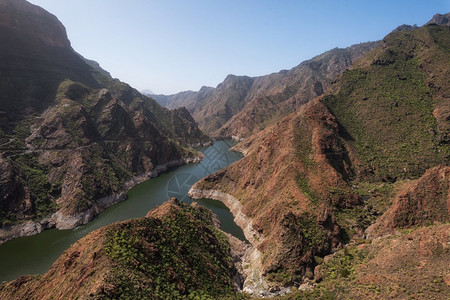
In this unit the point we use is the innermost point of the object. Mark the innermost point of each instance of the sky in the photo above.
(169, 46)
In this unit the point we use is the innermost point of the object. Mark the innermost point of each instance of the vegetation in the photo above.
(42, 193)
(376, 199)
(182, 256)
(337, 272)
(7, 218)
(305, 239)
(386, 106)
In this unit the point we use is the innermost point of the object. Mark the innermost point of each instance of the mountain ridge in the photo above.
(242, 105)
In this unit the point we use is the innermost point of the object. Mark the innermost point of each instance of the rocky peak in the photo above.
(439, 19)
(205, 89)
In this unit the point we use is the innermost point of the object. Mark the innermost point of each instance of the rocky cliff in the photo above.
(319, 177)
(175, 252)
(243, 105)
(70, 135)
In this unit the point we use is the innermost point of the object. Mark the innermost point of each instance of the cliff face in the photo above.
(70, 134)
(175, 251)
(243, 105)
(319, 177)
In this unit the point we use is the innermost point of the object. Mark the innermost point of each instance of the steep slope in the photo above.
(322, 175)
(288, 194)
(243, 105)
(72, 139)
(394, 105)
(174, 252)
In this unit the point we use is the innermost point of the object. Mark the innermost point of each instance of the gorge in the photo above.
(342, 189)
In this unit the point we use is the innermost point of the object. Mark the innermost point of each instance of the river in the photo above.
(35, 254)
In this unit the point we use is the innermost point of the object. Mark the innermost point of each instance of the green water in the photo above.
(35, 254)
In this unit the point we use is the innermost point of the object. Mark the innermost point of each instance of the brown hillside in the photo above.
(289, 189)
(407, 265)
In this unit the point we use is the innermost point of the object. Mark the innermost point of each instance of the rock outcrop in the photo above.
(423, 202)
(31, 22)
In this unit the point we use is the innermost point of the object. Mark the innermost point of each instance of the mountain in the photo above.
(439, 19)
(243, 105)
(175, 252)
(376, 143)
(72, 139)
(346, 196)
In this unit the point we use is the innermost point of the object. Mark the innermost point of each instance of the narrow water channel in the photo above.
(35, 254)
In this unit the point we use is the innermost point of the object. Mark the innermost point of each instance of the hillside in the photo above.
(174, 252)
(406, 254)
(318, 178)
(72, 139)
(243, 105)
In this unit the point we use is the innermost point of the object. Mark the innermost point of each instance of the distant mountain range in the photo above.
(147, 92)
(243, 105)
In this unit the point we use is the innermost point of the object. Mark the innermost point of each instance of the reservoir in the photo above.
(36, 254)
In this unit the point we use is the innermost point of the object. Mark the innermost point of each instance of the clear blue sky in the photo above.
(174, 45)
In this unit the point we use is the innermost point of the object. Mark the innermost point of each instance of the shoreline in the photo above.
(63, 222)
